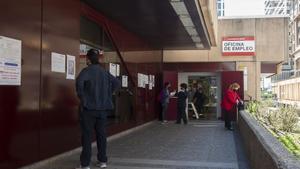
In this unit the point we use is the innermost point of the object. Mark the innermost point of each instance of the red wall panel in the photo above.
(59, 122)
(39, 118)
(171, 77)
(19, 105)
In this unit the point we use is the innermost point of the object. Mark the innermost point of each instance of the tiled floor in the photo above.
(198, 145)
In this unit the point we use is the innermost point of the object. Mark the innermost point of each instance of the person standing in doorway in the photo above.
(181, 104)
(229, 102)
(199, 99)
(164, 100)
(94, 87)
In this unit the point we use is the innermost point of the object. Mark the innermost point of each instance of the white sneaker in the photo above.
(101, 164)
(83, 167)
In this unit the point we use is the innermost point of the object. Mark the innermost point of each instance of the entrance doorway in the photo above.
(210, 84)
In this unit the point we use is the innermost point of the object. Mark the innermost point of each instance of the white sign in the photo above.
(58, 62)
(124, 81)
(113, 69)
(140, 80)
(10, 61)
(238, 46)
(146, 79)
(71, 67)
(84, 49)
(118, 70)
(151, 81)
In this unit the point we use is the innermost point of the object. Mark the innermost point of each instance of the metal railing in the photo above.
(283, 76)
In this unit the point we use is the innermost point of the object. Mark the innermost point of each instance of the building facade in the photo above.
(221, 8)
(270, 38)
(277, 7)
(286, 84)
(39, 114)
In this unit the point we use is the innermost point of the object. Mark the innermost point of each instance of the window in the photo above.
(219, 6)
(298, 32)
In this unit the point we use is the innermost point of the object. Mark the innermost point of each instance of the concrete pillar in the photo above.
(252, 71)
(258, 74)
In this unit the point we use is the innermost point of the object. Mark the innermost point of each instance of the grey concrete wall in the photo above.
(263, 150)
(270, 42)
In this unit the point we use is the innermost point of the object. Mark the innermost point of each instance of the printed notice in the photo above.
(118, 70)
(10, 61)
(151, 81)
(141, 80)
(124, 81)
(113, 69)
(58, 62)
(71, 67)
(146, 79)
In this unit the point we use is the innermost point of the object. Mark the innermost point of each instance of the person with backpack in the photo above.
(182, 103)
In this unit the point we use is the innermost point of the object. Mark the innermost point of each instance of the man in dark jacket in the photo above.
(199, 99)
(181, 104)
(94, 88)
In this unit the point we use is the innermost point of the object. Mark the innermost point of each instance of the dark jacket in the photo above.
(181, 101)
(94, 88)
(199, 97)
(165, 96)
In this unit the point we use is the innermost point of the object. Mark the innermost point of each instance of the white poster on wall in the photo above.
(58, 62)
(124, 81)
(151, 81)
(146, 79)
(71, 67)
(113, 69)
(118, 70)
(10, 61)
(141, 80)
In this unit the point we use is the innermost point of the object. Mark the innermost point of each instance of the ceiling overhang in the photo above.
(164, 24)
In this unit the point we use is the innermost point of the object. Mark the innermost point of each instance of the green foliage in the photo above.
(290, 144)
(266, 94)
(281, 122)
(289, 118)
(284, 118)
(252, 107)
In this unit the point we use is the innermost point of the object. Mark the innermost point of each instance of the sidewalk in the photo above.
(198, 145)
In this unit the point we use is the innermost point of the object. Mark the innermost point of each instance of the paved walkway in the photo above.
(198, 145)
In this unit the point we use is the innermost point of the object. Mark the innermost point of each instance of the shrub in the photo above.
(289, 118)
(289, 143)
(252, 107)
(285, 118)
